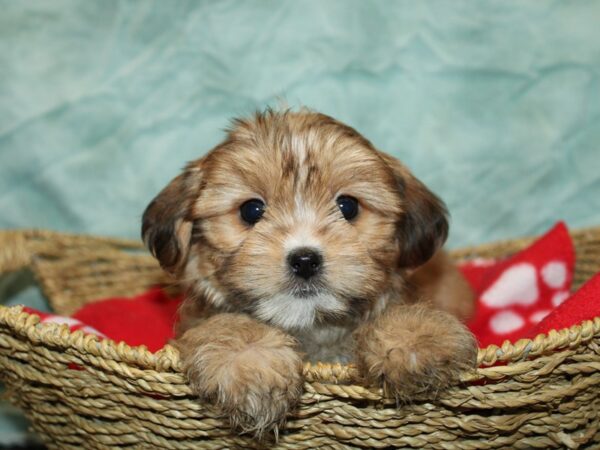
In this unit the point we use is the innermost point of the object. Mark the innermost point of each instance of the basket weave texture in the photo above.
(541, 393)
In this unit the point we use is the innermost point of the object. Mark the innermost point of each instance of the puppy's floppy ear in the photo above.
(167, 223)
(423, 224)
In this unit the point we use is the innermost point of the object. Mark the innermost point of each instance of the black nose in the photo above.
(305, 262)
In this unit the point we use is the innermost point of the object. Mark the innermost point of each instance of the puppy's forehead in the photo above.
(279, 154)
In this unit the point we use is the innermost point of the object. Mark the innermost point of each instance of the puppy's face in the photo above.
(295, 219)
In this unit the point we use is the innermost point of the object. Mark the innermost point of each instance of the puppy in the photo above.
(297, 240)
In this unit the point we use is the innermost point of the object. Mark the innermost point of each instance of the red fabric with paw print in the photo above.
(515, 295)
(518, 297)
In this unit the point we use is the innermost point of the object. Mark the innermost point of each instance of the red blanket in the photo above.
(518, 297)
(515, 296)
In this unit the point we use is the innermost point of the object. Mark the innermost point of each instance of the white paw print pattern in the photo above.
(518, 285)
(482, 262)
(73, 324)
(505, 322)
(537, 316)
(559, 297)
(554, 274)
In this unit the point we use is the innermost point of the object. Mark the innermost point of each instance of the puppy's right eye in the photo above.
(252, 210)
(348, 206)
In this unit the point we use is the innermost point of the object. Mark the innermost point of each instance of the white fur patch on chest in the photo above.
(290, 312)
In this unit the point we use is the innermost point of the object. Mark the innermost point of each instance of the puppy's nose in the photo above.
(305, 262)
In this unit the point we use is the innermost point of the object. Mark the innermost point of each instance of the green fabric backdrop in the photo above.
(496, 105)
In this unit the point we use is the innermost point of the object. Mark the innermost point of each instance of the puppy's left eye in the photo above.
(348, 206)
(252, 210)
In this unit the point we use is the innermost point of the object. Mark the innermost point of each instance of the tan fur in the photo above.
(414, 350)
(249, 370)
(245, 310)
(440, 282)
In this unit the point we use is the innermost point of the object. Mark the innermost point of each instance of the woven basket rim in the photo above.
(29, 325)
(128, 243)
(167, 359)
(135, 243)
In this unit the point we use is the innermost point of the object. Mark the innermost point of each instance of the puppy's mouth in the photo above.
(299, 305)
(306, 289)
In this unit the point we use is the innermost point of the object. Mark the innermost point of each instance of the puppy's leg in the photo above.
(248, 369)
(414, 350)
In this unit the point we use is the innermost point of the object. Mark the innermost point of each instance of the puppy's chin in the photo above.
(299, 309)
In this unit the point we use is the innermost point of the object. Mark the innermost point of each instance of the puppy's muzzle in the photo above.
(305, 262)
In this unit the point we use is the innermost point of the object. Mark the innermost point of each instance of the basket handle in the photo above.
(14, 251)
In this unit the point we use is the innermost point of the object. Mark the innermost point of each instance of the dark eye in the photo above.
(252, 210)
(348, 206)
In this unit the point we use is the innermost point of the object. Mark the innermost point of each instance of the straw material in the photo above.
(80, 392)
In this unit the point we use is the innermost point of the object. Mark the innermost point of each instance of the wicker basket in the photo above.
(545, 393)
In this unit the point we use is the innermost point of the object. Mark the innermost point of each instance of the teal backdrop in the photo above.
(494, 104)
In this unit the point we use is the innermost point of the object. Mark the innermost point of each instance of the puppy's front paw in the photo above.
(250, 371)
(415, 351)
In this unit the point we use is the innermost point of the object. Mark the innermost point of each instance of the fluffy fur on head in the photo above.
(299, 165)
